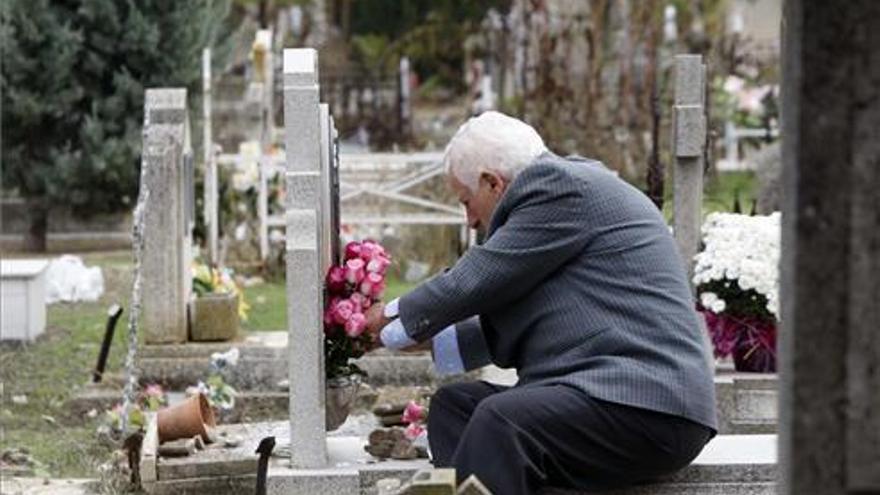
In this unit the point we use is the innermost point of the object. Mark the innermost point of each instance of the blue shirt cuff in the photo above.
(394, 336)
(447, 358)
(390, 310)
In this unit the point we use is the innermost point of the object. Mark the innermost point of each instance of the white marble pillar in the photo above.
(304, 247)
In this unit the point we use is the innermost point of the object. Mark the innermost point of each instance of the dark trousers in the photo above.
(521, 439)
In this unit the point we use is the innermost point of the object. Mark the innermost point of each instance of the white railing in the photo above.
(388, 176)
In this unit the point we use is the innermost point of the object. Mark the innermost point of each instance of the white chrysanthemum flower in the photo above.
(742, 248)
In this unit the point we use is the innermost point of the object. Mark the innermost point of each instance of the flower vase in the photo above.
(755, 348)
(214, 317)
(341, 394)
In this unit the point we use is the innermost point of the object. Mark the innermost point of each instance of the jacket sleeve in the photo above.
(539, 225)
(472, 345)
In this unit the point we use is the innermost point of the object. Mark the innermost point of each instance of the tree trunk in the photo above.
(38, 225)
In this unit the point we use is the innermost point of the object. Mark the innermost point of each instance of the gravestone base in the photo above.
(746, 402)
(261, 366)
(730, 465)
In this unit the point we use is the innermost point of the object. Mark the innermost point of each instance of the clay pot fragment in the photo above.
(187, 419)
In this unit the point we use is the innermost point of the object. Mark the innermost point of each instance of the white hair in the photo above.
(491, 142)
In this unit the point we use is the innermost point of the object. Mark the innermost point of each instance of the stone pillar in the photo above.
(404, 112)
(210, 197)
(265, 67)
(166, 257)
(830, 278)
(689, 144)
(305, 303)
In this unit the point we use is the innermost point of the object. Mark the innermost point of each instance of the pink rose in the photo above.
(413, 431)
(361, 301)
(336, 279)
(368, 250)
(355, 325)
(354, 271)
(373, 285)
(352, 250)
(413, 413)
(377, 248)
(378, 265)
(343, 311)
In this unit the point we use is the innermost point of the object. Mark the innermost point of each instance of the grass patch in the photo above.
(269, 310)
(720, 192)
(51, 370)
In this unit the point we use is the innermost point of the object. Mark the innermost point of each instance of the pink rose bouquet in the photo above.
(352, 288)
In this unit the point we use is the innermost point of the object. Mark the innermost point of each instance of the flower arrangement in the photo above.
(414, 416)
(211, 280)
(737, 281)
(351, 289)
(219, 393)
(151, 399)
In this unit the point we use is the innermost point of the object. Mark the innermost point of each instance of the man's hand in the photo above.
(376, 321)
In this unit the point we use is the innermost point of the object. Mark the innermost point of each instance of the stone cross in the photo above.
(829, 430)
(689, 144)
(305, 244)
(167, 252)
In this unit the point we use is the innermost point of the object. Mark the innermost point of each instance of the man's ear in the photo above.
(496, 182)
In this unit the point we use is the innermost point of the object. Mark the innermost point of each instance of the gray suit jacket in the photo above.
(579, 282)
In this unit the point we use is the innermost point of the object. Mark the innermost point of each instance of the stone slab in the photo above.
(252, 345)
(37, 486)
(744, 464)
(224, 485)
(217, 460)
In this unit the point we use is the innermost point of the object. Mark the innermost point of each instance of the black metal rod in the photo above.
(265, 451)
(113, 315)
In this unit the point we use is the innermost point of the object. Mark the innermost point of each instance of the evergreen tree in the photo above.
(72, 81)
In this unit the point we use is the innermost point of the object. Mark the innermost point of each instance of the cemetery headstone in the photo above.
(167, 218)
(689, 141)
(304, 217)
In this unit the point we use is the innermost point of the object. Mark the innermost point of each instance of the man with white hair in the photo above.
(578, 286)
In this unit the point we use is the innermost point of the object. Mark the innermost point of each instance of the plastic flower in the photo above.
(153, 397)
(361, 301)
(352, 250)
(414, 413)
(355, 325)
(378, 265)
(342, 311)
(354, 271)
(154, 390)
(336, 279)
(373, 285)
(220, 360)
(413, 431)
(352, 287)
